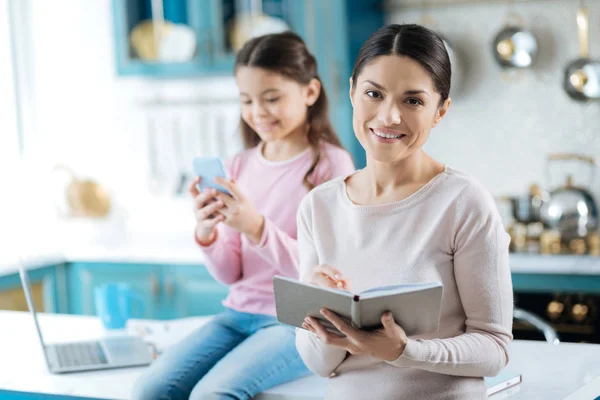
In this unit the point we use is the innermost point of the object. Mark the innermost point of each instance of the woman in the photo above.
(406, 218)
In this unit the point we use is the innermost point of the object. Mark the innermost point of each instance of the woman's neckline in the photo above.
(411, 199)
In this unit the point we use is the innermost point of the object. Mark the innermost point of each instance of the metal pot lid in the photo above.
(515, 47)
(586, 79)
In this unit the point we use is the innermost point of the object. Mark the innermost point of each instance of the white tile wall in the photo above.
(499, 127)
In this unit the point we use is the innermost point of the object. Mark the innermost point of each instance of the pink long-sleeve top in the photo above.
(276, 190)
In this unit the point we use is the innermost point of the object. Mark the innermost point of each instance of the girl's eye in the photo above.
(245, 102)
(414, 102)
(373, 94)
(273, 100)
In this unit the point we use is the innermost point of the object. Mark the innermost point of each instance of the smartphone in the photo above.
(208, 168)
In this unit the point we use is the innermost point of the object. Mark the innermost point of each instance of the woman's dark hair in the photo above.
(286, 53)
(415, 41)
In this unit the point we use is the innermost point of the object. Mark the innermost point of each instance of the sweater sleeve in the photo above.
(278, 248)
(320, 358)
(483, 280)
(224, 259)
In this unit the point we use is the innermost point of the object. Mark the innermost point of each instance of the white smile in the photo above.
(387, 135)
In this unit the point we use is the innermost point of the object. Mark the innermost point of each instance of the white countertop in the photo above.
(549, 372)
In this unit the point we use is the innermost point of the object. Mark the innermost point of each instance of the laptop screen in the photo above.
(29, 298)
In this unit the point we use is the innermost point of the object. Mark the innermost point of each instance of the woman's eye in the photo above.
(414, 102)
(373, 94)
(272, 100)
(246, 102)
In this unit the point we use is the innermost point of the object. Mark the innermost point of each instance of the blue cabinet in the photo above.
(189, 290)
(334, 33)
(166, 291)
(83, 278)
(47, 286)
(127, 14)
(210, 21)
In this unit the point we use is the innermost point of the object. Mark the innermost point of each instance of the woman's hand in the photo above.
(386, 343)
(238, 211)
(325, 275)
(206, 207)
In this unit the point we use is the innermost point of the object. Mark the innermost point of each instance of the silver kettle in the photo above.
(571, 210)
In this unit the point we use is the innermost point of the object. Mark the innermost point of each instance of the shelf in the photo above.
(396, 5)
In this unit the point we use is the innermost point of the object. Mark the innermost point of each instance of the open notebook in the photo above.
(415, 307)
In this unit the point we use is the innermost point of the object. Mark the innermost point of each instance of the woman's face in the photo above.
(273, 105)
(395, 106)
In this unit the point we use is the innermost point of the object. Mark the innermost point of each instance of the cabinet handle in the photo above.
(154, 285)
(169, 287)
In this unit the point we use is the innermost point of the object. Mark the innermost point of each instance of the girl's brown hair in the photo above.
(287, 54)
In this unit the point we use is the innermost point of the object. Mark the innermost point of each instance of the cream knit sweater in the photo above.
(447, 231)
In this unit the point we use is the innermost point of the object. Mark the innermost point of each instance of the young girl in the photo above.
(250, 236)
(406, 218)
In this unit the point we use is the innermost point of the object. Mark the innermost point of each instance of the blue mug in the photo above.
(116, 303)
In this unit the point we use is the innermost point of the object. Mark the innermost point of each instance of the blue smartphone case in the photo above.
(208, 168)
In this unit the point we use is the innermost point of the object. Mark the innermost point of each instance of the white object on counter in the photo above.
(549, 372)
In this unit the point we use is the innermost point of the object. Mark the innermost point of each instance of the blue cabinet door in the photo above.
(127, 14)
(189, 290)
(335, 31)
(210, 20)
(83, 278)
(223, 16)
(46, 285)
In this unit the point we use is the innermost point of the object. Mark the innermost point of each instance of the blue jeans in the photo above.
(234, 356)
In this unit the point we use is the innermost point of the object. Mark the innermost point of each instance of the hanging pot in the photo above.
(515, 46)
(571, 210)
(582, 75)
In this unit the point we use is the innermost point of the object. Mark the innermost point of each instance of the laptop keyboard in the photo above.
(80, 354)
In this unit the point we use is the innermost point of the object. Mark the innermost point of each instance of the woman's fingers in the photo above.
(324, 272)
(320, 279)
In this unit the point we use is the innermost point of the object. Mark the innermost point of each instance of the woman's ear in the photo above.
(442, 111)
(313, 90)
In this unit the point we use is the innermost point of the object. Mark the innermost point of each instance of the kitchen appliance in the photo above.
(571, 210)
(572, 315)
(582, 75)
(514, 46)
(527, 208)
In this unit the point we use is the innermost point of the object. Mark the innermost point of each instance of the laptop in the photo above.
(105, 353)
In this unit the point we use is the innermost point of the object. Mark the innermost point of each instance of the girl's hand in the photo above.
(386, 343)
(206, 207)
(325, 275)
(238, 211)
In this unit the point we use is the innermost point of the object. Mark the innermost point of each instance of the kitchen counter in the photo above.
(549, 372)
(181, 249)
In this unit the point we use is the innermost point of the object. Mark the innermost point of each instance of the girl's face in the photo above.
(272, 105)
(395, 106)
